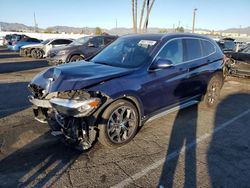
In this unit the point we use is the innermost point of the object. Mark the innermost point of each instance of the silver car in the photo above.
(40, 50)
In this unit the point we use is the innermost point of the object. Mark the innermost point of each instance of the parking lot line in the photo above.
(174, 154)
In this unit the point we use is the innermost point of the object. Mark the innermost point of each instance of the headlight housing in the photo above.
(75, 108)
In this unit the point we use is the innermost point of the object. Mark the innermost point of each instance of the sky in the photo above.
(211, 14)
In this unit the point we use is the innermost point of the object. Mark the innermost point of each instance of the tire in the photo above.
(39, 54)
(212, 94)
(75, 58)
(33, 53)
(119, 124)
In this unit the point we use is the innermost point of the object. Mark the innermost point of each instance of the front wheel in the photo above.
(76, 58)
(39, 54)
(33, 53)
(119, 124)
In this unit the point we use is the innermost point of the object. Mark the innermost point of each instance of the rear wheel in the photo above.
(76, 58)
(119, 124)
(212, 95)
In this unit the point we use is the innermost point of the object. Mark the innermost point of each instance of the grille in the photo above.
(37, 91)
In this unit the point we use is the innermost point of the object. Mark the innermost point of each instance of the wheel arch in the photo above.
(129, 98)
(75, 53)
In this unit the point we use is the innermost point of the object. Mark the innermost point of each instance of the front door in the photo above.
(164, 87)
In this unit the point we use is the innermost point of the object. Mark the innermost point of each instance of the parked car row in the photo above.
(135, 79)
(79, 49)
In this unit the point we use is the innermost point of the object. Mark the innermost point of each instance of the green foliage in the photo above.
(48, 30)
(179, 29)
(98, 31)
(163, 30)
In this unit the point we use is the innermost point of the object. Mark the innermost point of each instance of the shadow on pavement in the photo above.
(21, 66)
(9, 55)
(37, 164)
(183, 134)
(13, 98)
(228, 156)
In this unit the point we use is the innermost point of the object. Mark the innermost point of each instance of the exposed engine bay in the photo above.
(70, 114)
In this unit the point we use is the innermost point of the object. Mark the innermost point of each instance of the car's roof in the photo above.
(59, 39)
(160, 36)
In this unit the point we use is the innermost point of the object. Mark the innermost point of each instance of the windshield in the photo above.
(46, 41)
(246, 50)
(128, 53)
(80, 41)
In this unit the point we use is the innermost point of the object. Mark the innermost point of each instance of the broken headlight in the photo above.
(76, 108)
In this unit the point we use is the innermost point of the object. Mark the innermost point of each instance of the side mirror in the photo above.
(161, 64)
(91, 45)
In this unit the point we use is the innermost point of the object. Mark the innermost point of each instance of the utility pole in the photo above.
(194, 14)
(35, 22)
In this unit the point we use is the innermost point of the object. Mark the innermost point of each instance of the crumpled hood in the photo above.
(78, 75)
(32, 45)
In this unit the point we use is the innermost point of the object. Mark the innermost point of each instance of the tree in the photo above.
(147, 4)
(48, 30)
(179, 29)
(163, 30)
(98, 31)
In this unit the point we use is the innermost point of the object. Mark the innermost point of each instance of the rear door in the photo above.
(197, 52)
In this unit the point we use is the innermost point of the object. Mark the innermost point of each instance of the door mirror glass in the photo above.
(161, 64)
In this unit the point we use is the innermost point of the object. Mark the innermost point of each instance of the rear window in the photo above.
(207, 47)
(193, 49)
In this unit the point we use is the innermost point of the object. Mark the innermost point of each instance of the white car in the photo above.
(40, 50)
(1, 40)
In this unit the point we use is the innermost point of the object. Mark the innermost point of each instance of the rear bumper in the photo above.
(13, 48)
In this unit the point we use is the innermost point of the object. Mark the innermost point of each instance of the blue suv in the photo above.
(135, 79)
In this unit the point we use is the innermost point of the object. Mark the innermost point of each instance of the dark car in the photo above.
(135, 79)
(79, 49)
(239, 64)
(227, 45)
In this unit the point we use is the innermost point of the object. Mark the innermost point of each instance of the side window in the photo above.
(35, 40)
(97, 41)
(66, 41)
(193, 49)
(207, 47)
(32, 40)
(55, 42)
(61, 41)
(172, 51)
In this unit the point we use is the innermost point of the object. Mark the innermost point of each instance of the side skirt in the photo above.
(169, 110)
